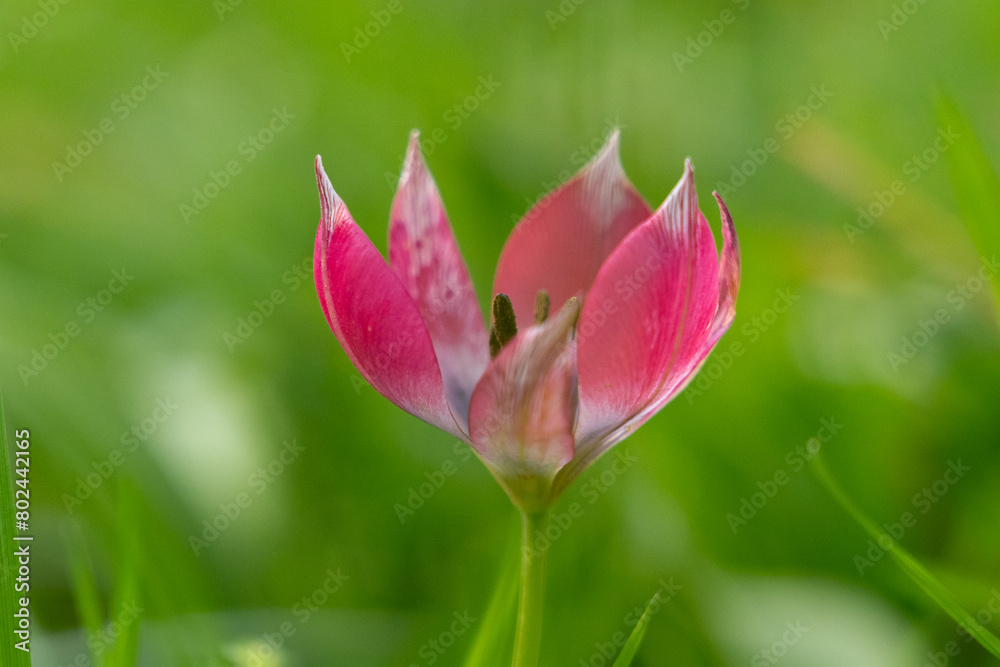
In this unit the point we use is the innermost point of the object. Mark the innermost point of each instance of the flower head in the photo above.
(604, 311)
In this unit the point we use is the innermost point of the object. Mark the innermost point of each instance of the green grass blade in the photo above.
(631, 647)
(9, 654)
(127, 599)
(494, 639)
(85, 594)
(977, 188)
(913, 569)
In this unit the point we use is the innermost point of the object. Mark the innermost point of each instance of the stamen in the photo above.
(504, 325)
(541, 306)
(573, 303)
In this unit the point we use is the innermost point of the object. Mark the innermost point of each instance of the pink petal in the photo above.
(644, 326)
(729, 276)
(560, 244)
(523, 409)
(375, 320)
(424, 255)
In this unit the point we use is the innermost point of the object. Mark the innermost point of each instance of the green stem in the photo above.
(529, 613)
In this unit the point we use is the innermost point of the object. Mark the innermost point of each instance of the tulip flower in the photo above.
(604, 310)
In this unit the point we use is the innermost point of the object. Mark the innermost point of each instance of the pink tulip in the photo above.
(638, 300)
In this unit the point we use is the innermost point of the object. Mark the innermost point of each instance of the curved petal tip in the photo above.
(612, 145)
(730, 267)
(687, 178)
(560, 244)
(679, 211)
(333, 212)
(605, 168)
(414, 158)
(728, 229)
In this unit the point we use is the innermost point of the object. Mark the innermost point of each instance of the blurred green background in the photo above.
(173, 143)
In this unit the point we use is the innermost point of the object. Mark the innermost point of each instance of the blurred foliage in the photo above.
(160, 325)
(977, 187)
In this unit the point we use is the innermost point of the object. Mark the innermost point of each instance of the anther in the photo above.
(541, 306)
(504, 325)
